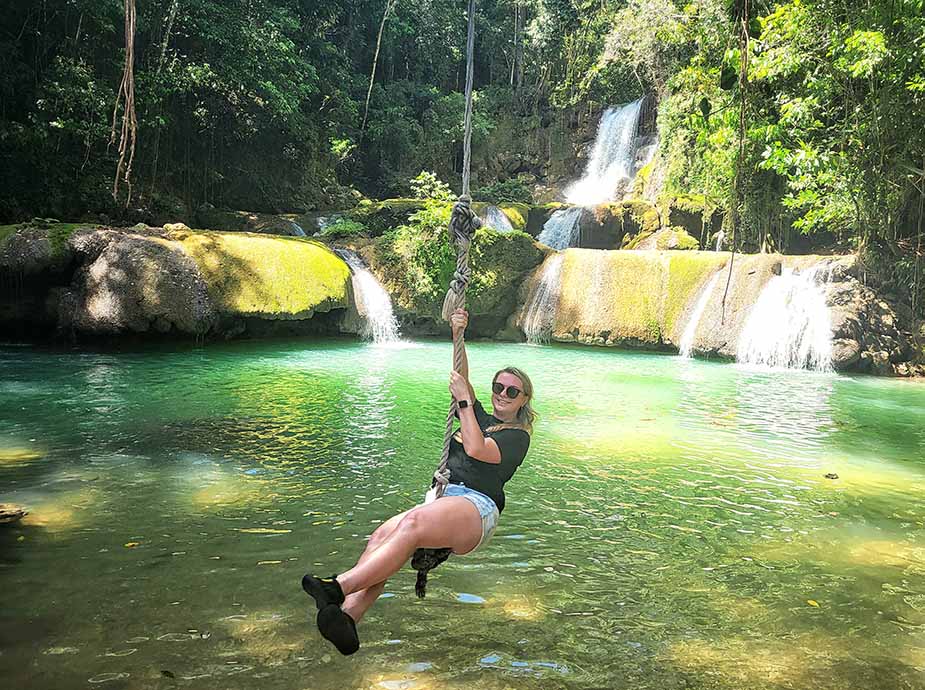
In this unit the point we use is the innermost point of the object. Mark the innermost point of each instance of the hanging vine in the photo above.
(126, 98)
(742, 8)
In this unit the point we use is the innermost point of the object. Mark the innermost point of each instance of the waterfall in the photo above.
(373, 302)
(561, 230)
(497, 219)
(539, 314)
(790, 325)
(324, 222)
(686, 346)
(612, 165)
(617, 155)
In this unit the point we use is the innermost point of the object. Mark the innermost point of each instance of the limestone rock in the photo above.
(31, 251)
(137, 284)
(880, 364)
(845, 353)
(666, 238)
(10, 512)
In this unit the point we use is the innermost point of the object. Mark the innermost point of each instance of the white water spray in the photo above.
(373, 302)
(497, 219)
(562, 229)
(686, 346)
(539, 315)
(612, 165)
(790, 325)
(618, 154)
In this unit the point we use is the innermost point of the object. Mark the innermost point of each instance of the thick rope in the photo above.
(467, 124)
(463, 224)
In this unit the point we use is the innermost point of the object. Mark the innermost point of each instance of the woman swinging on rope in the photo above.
(484, 454)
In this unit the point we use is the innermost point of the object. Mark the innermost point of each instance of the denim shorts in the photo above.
(486, 507)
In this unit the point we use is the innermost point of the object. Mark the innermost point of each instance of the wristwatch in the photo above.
(462, 404)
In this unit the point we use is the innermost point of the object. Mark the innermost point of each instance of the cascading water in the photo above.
(618, 154)
(373, 302)
(561, 230)
(686, 346)
(612, 165)
(539, 314)
(497, 219)
(790, 325)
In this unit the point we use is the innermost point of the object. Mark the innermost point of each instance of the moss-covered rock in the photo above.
(611, 298)
(695, 213)
(267, 277)
(381, 216)
(103, 281)
(37, 248)
(637, 299)
(415, 263)
(518, 214)
(135, 284)
(641, 181)
(644, 215)
(688, 273)
(666, 238)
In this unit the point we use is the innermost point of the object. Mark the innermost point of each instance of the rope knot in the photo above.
(463, 224)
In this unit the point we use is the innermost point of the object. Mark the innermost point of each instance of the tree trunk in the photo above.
(389, 6)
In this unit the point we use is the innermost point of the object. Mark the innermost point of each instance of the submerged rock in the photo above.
(10, 513)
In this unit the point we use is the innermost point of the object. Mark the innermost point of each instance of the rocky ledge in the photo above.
(99, 281)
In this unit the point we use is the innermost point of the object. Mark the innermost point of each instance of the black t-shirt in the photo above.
(485, 477)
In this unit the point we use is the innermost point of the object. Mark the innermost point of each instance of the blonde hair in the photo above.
(526, 415)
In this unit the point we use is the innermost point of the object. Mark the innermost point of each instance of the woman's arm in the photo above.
(474, 442)
(458, 321)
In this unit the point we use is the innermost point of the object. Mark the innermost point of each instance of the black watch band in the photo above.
(462, 404)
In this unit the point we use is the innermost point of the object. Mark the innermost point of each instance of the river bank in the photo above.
(80, 283)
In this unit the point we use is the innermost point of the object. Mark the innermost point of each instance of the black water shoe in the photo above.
(338, 628)
(324, 590)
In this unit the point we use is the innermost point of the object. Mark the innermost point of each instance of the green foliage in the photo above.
(512, 190)
(419, 261)
(424, 245)
(428, 186)
(344, 227)
(6, 231)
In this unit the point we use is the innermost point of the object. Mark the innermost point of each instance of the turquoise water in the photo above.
(672, 526)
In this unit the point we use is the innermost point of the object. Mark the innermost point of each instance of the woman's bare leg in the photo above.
(451, 521)
(357, 603)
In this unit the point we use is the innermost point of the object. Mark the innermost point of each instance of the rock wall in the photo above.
(107, 282)
(174, 282)
(416, 271)
(647, 298)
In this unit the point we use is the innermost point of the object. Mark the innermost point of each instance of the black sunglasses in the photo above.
(512, 391)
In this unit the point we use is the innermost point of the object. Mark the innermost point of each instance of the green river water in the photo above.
(672, 526)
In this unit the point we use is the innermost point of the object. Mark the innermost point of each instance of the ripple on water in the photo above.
(108, 677)
(691, 517)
